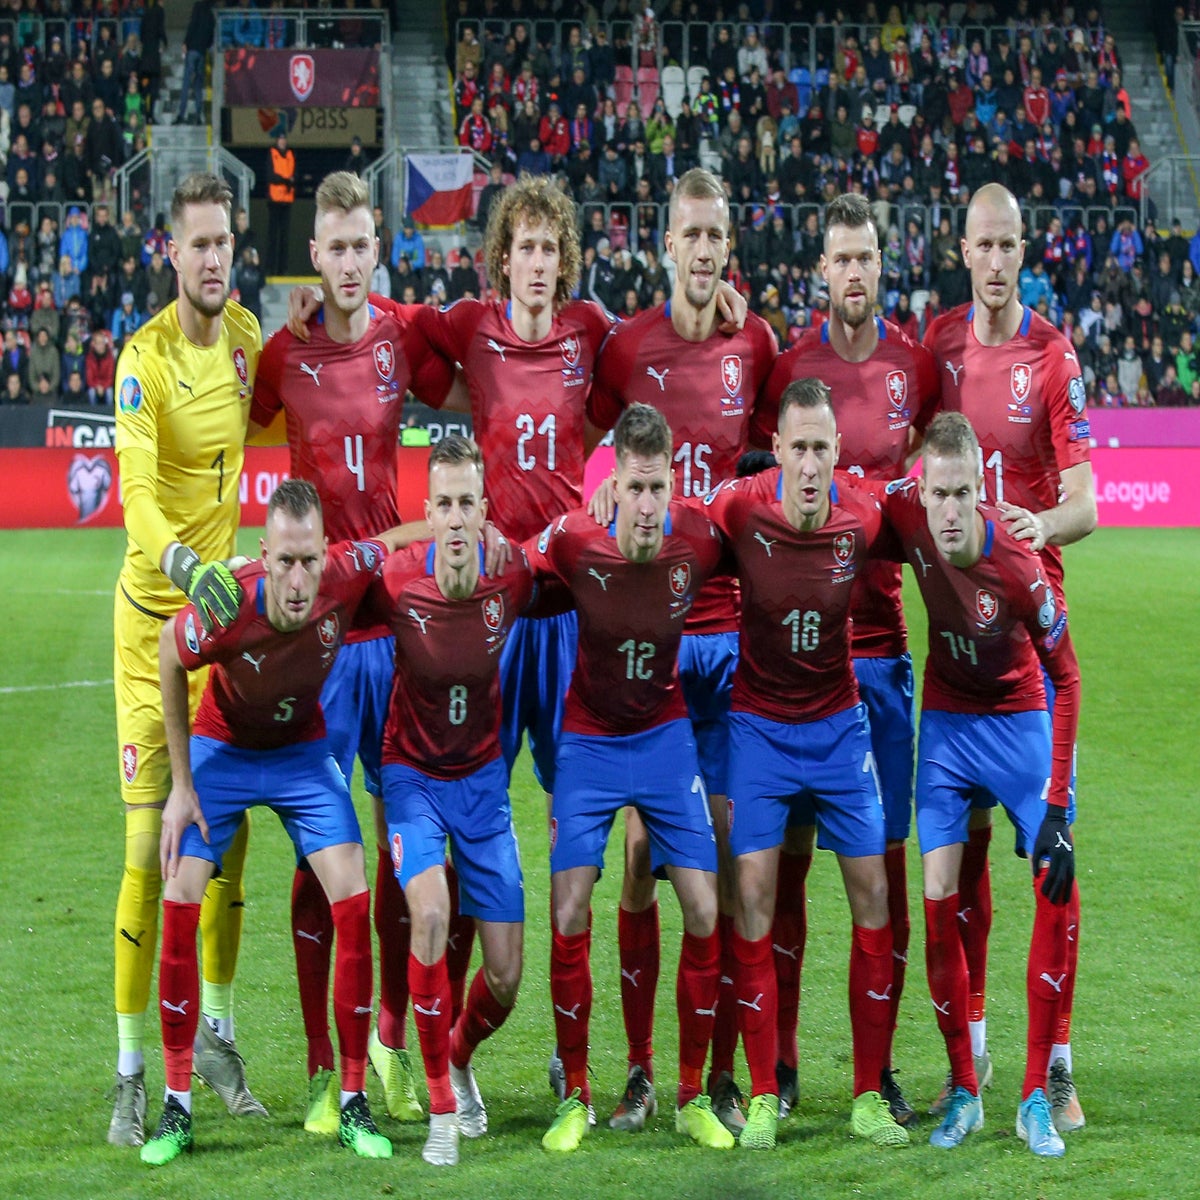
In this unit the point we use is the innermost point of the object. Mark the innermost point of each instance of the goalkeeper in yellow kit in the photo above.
(184, 385)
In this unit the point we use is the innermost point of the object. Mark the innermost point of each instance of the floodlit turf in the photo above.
(1135, 599)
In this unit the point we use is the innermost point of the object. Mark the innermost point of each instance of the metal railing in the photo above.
(157, 174)
(1170, 184)
(285, 28)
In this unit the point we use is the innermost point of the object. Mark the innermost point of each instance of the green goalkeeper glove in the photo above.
(212, 589)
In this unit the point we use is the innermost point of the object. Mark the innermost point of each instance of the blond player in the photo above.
(183, 394)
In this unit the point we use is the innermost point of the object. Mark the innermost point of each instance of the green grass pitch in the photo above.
(1135, 598)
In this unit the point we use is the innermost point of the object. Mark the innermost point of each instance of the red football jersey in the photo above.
(444, 713)
(1026, 402)
(794, 644)
(989, 624)
(527, 403)
(344, 402)
(265, 687)
(708, 391)
(631, 617)
(876, 403)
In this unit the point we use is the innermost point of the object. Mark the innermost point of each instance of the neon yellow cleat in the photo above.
(871, 1118)
(395, 1072)
(761, 1123)
(322, 1115)
(697, 1119)
(570, 1123)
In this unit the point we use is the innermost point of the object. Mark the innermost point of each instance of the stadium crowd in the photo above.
(915, 110)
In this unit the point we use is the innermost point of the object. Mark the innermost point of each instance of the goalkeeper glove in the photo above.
(212, 589)
(1054, 846)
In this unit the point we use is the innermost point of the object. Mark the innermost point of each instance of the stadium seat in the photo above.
(907, 112)
(710, 160)
(674, 89)
(647, 90)
(623, 86)
(695, 78)
(821, 78)
(918, 300)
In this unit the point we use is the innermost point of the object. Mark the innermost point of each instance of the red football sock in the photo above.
(571, 994)
(725, 1026)
(789, 932)
(430, 993)
(755, 997)
(696, 1003)
(638, 939)
(1062, 1029)
(179, 991)
(1044, 981)
(312, 940)
(392, 930)
(975, 923)
(481, 1017)
(946, 967)
(459, 943)
(352, 986)
(870, 1007)
(895, 865)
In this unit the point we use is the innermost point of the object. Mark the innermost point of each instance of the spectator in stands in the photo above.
(466, 89)
(1133, 166)
(1129, 368)
(105, 150)
(409, 243)
(44, 360)
(1155, 364)
(99, 368)
(160, 279)
(15, 390)
(1126, 244)
(14, 360)
(469, 52)
(602, 64)
(781, 89)
(1170, 393)
(281, 196)
(74, 241)
(464, 280)
(1186, 365)
(104, 243)
(554, 134)
(356, 160)
(197, 42)
(126, 321)
(488, 196)
(475, 132)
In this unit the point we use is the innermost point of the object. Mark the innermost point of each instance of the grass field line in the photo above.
(54, 687)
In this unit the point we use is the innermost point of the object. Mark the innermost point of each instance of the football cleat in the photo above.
(963, 1115)
(558, 1076)
(441, 1146)
(569, 1126)
(697, 1119)
(322, 1115)
(983, 1076)
(1064, 1103)
(1035, 1126)
(217, 1063)
(472, 1116)
(758, 1133)
(727, 1103)
(172, 1137)
(870, 1118)
(128, 1124)
(394, 1068)
(637, 1106)
(900, 1108)
(357, 1130)
(789, 1088)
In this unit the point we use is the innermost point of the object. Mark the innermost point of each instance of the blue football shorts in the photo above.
(886, 687)
(355, 703)
(706, 665)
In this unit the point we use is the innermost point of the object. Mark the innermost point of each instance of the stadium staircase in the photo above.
(421, 89)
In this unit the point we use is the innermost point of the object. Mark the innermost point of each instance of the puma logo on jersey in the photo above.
(660, 377)
(792, 953)
(767, 543)
(420, 620)
(313, 371)
(955, 371)
(602, 580)
(499, 349)
(256, 663)
(187, 387)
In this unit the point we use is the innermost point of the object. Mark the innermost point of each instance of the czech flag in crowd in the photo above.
(437, 187)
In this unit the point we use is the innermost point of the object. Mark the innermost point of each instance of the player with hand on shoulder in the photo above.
(1017, 380)
(626, 741)
(184, 382)
(342, 394)
(680, 359)
(986, 735)
(259, 738)
(883, 386)
(445, 781)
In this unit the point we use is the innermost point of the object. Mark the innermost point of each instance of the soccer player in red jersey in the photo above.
(676, 358)
(883, 385)
(1018, 382)
(259, 738)
(800, 744)
(444, 778)
(626, 740)
(985, 733)
(342, 393)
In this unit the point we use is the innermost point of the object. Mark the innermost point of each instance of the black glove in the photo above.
(212, 589)
(1054, 846)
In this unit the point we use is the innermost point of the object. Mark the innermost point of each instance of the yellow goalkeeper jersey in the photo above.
(181, 427)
